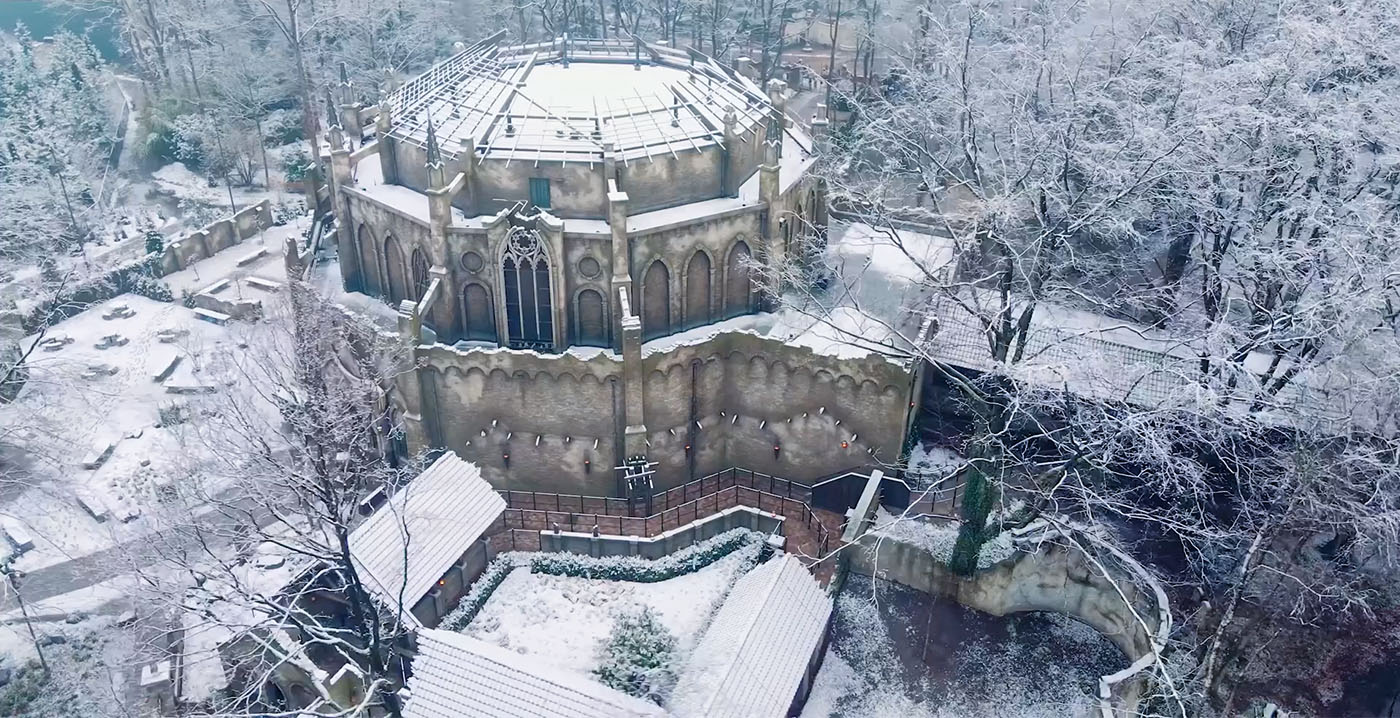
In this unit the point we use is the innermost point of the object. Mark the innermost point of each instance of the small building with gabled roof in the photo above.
(422, 548)
(455, 675)
(762, 650)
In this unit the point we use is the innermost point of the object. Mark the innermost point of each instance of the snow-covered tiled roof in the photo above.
(752, 658)
(455, 675)
(422, 530)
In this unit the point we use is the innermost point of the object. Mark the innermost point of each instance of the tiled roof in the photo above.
(455, 676)
(422, 530)
(755, 653)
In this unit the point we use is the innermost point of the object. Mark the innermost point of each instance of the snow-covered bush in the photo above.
(637, 659)
(640, 570)
(480, 592)
(295, 164)
(155, 242)
(285, 212)
(282, 127)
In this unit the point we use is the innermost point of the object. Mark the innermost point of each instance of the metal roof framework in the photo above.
(480, 96)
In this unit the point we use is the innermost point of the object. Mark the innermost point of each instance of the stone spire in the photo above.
(437, 176)
(434, 151)
(346, 96)
(332, 113)
(334, 132)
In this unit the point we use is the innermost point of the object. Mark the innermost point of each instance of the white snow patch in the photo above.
(562, 621)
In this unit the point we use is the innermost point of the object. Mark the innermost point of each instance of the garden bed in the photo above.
(562, 620)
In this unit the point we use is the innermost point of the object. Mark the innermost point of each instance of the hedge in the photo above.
(613, 568)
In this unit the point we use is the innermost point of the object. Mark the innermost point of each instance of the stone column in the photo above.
(635, 435)
(466, 168)
(769, 190)
(409, 384)
(350, 120)
(383, 124)
(344, 229)
(445, 308)
(439, 219)
(551, 231)
(621, 262)
(497, 231)
(729, 171)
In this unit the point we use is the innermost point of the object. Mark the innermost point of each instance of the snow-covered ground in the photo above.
(563, 621)
(80, 399)
(178, 180)
(896, 654)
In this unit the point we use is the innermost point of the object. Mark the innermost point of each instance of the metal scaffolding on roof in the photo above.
(484, 97)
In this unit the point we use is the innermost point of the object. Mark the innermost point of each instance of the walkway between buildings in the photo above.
(811, 533)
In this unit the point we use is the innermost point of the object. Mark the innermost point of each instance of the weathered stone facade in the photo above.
(531, 277)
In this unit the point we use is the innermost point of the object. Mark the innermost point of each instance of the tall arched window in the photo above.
(656, 301)
(420, 274)
(478, 319)
(369, 262)
(397, 269)
(697, 291)
(592, 323)
(738, 284)
(529, 317)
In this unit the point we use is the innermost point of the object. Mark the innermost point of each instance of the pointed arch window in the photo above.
(529, 306)
(420, 274)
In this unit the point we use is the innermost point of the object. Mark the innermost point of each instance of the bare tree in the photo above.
(297, 492)
(1169, 313)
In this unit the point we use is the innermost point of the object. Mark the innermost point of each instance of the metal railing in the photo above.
(531, 511)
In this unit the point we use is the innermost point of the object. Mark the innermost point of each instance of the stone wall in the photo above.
(732, 398)
(220, 235)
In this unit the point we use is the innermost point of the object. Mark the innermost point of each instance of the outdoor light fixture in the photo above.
(587, 466)
(776, 449)
(845, 445)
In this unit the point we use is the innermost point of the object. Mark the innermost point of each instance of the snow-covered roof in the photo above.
(755, 653)
(427, 525)
(455, 675)
(525, 103)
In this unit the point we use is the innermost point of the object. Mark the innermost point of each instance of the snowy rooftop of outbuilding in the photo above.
(752, 658)
(410, 542)
(455, 675)
(526, 103)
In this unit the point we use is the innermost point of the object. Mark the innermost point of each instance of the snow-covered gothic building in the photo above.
(571, 234)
